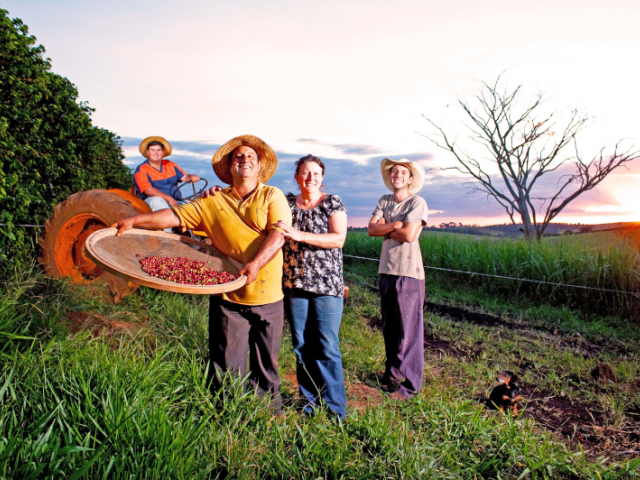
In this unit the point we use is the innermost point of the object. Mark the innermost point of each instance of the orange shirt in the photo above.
(166, 179)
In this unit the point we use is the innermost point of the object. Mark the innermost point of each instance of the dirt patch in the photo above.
(456, 314)
(99, 325)
(579, 423)
(439, 347)
(375, 323)
(576, 342)
(632, 387)
(561, 416)
(362, 396)
(290, 391)
(603, 373)
(581, 346)
(359, 395)
(433, 345)
(291, 381)
(463, 315)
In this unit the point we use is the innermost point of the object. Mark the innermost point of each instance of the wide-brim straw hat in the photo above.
(268, 158)
(145, 145)
(416, 169)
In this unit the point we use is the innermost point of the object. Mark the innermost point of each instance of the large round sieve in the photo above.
(121, 256)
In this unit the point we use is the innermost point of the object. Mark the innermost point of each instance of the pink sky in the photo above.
(359, 73)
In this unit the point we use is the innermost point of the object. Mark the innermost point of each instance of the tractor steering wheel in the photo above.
(195, 193)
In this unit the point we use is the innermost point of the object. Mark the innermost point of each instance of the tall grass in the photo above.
(611, 266)
(83, 407)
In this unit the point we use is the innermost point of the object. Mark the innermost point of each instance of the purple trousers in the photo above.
(402, 303)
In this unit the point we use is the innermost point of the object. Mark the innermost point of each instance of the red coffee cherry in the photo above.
(184, 271)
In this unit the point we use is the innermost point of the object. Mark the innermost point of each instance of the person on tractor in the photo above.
(156, 179)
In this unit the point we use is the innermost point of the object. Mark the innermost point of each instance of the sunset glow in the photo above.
(349, 82)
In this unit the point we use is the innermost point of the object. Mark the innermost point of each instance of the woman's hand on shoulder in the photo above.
(290, 232)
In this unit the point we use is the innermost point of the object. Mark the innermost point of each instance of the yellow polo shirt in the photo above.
(238, 228)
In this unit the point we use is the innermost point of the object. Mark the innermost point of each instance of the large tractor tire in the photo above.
(140, 205)
(67, 230)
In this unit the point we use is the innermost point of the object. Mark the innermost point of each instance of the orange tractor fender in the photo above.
(66, 231)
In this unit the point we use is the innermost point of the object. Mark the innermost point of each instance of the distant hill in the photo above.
(513, 231)
(510, 230)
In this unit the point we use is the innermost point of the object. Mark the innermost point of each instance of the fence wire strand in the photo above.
(466, 272)
(21, 225)
(544, 282)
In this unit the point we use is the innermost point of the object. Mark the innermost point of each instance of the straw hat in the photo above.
(146, 141)
(268, 158)
(417, 171)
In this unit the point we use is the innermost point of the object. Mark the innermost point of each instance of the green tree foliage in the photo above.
(49, 148)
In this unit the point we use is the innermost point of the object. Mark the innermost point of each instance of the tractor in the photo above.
(71, 224)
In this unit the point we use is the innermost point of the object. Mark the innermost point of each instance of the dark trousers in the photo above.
(237, 331)
(402, 303)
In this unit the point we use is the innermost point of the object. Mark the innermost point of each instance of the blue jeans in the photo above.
(315, 323)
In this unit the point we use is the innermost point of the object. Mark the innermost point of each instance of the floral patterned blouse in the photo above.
(307, 267)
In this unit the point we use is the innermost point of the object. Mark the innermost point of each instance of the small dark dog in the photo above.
(505, 394)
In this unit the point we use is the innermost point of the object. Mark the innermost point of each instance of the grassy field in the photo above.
(94, 390)
(629, 238)
(610, 264)
(588, 240)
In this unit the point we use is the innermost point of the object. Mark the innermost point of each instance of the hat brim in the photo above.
(268, 158)
(415, 168)
(145, 145)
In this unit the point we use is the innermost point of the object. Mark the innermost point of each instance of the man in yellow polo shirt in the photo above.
(240, 221)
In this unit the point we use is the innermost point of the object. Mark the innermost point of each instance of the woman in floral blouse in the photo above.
(313, 286)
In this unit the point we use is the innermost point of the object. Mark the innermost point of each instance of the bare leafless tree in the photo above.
(525, 143)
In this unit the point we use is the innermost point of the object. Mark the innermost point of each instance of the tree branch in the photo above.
(525, 146)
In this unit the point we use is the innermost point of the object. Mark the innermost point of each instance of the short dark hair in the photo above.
(309, 158)
(230, 159)
(155, 142)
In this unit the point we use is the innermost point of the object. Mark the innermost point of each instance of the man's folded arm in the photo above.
(407, 233)
(379, 228)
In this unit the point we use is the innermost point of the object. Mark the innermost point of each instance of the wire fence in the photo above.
(20, 225)
(466, 272)
(543, 282)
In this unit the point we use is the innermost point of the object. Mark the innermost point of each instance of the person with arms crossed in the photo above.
(240, 221)
(399, 218)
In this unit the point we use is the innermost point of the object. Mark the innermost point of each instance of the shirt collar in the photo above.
(229, 190)
(161, 165)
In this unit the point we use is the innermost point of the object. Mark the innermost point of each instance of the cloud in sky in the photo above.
(219, 69)
(349, 81)
(349, 148)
